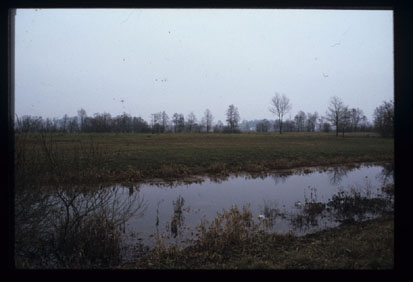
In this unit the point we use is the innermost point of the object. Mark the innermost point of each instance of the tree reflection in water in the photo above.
(279, 178)
(72, 227)
(336, 174)
(387, 173)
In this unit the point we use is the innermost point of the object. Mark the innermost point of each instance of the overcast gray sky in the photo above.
(142, 61)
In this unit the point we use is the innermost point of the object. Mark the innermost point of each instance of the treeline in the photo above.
(98, 123)
(103, 122)
(310, 122)
(339, 117)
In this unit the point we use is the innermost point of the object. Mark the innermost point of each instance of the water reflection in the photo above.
(279, 178)
(294, 206)
(75, 227)
(269, 212)
(219, 179)
(157, 215)
(177, 217)
(270, 209)
(82, 227)
(348, 205)
(336, 174)
(387, 173)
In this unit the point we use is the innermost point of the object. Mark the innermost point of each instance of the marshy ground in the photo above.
(70, 164)
(359, 245)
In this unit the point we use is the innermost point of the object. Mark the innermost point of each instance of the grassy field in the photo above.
(137, 157)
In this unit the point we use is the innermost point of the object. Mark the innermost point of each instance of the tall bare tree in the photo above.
(312, 121)
(64, 123)
(82, 115)
(179, 122)
(280, 105)
(156, 121)
(175, 120)
(164, 121)
(207, 120)
(336, 113)
(232, 118)
(191, 121)
(356, 116)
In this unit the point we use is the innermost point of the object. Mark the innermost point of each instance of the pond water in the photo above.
(62, 223)
(176, 209)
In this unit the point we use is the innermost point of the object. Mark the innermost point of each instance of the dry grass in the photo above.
(234, 241)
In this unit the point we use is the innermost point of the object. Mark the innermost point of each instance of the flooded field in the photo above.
(295, 202)
(130, 220)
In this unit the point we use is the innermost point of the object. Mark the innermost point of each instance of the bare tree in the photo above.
(29, 124)
(262, 126)
(289, 125)
(300, 120)
(164, 121)
(326, 127)
(48, 126)
(365, 125)
(139, 125)
(356, 116)
(156, 120)
(312, 121)
(345, 120)
(73, 125)
(207, 120)
(320, 121)
(384, 119)
(191, 121)
(335, 113)
(64, 123)
(218, 128)
(82, 115)
(232, 118)
(179, 122)
(175, 121)
(280, 105)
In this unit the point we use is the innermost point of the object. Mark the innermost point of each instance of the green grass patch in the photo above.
(139, 157)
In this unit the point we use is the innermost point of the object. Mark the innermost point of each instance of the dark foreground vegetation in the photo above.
(64, 219)
(357, 245)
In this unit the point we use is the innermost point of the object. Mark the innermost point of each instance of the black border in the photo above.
(280, 4)
(403, 48)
